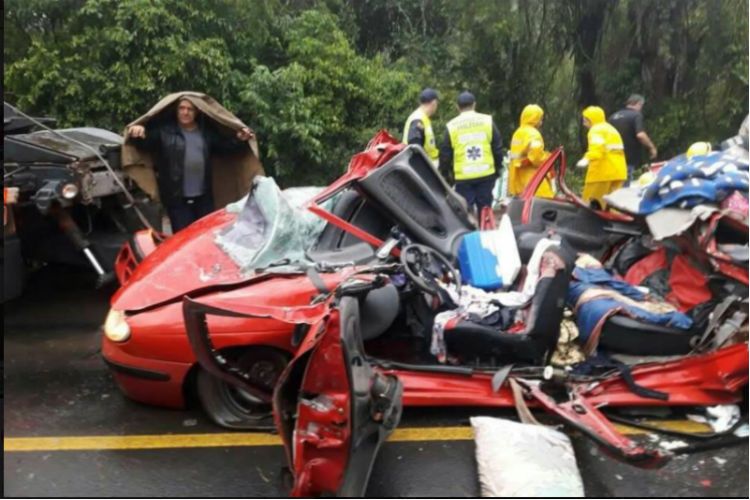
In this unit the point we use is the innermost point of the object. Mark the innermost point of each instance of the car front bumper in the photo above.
(150, 381)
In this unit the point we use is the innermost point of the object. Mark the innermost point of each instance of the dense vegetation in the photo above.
(317, 78)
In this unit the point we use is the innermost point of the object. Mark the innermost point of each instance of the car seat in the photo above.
(471, 340)
(624, 335)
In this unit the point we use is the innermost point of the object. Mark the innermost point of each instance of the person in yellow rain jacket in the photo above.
(605, 158)
(527, 153)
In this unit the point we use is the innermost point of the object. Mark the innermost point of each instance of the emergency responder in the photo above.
(418, 127)
(605, 157)
(527, 153)
(698, 149)
(629, 123)
(470, 151)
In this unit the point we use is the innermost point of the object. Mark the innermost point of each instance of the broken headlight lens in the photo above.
(115, 327)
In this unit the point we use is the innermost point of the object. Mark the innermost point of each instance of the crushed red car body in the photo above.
(351, 324)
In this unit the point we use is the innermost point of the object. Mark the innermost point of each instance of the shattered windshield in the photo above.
(271, 227)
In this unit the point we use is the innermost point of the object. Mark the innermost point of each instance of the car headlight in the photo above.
(69, 191)
(115, 327)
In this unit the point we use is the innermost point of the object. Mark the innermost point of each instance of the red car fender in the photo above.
(696, 380)
(701, 379)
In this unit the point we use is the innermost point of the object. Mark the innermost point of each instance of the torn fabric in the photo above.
(675, 221)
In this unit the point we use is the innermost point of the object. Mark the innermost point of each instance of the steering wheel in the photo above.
(426, 266)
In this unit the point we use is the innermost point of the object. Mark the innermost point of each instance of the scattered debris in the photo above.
(619, 477)
(262, 476)
(672, 445)
(720, 461)
(742, 430)
(721, 418)
(706, 482)
(190, 422)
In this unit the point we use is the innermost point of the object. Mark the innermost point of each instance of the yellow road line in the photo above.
(141, 442)
(687, 426)
(227, 439)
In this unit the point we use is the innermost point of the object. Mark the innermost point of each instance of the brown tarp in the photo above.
(232, 175)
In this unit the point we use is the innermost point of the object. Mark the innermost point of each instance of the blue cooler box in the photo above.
(489, 259)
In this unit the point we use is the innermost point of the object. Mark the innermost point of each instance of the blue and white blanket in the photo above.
(685, 183)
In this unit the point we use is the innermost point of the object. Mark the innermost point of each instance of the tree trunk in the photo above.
(590, 17)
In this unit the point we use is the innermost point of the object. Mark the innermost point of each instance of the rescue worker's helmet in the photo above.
(645, 179)
(698, 149)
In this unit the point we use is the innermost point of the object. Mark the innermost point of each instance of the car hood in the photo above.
(187, 261)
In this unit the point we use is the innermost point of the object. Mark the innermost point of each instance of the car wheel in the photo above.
(234, 408)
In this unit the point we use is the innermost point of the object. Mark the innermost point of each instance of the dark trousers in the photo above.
(477, 192)
(631, 170)
(188, 210)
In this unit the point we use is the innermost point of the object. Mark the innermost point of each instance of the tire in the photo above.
(234, 408)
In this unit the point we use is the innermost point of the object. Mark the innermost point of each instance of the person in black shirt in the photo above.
(629, 123)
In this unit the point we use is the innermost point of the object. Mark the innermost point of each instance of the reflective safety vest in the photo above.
(471, 135)
(429, 137)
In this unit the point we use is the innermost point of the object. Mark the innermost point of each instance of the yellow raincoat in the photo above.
(527, 153)
(607, 170)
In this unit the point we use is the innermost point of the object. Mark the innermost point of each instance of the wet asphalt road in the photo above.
(55, 384)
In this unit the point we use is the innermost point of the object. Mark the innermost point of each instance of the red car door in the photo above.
(333, 409)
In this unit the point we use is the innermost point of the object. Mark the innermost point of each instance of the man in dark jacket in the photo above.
(629, 123)
(184, 147)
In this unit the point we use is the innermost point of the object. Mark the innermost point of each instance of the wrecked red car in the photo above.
(333, 321)
(146, 345)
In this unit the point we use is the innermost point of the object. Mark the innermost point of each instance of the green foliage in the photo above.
(316, 78)
(113, 59)
(324, 103)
